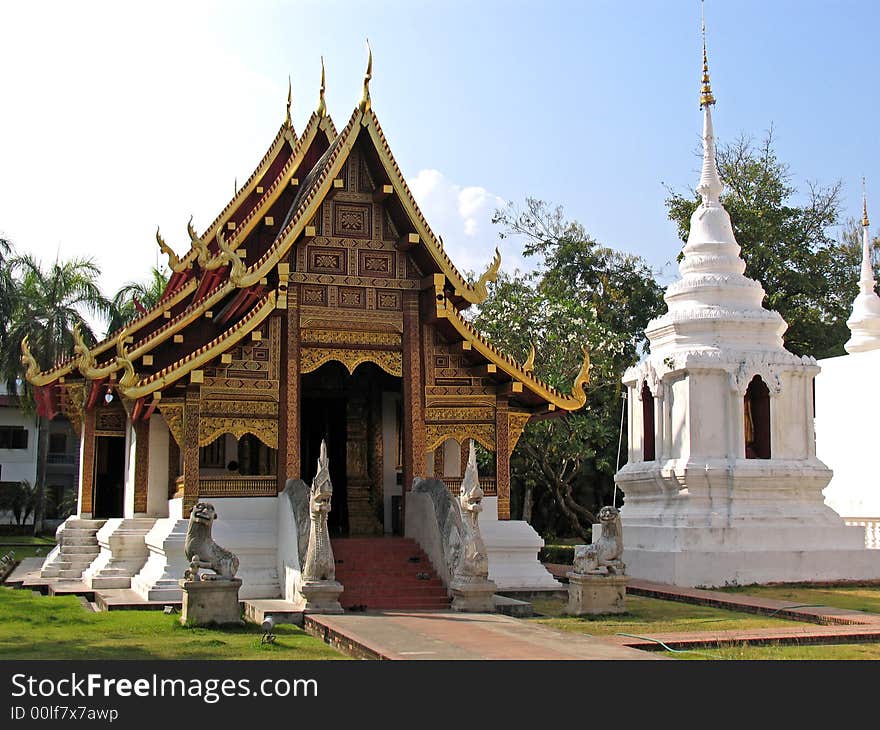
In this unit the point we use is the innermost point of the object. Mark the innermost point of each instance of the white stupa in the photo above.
(864, 322)
(723, 484)
(846, 408)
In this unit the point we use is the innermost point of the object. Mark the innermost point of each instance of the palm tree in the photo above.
(49, 303)
(9, 365)
(134, 299)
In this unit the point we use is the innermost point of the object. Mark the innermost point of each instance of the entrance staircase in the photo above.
(386, 573)
(77, 548)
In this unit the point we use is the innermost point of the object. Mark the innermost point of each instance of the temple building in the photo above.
(723, 484)
(319, 304)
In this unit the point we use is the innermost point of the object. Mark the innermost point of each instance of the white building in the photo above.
(18, 447)
(723, 484)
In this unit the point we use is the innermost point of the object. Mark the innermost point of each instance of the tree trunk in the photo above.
(528, 501)
(42, 460)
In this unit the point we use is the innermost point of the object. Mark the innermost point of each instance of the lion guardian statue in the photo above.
(201, 550)
(607, 551)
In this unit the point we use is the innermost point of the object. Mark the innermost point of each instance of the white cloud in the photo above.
(463, 217)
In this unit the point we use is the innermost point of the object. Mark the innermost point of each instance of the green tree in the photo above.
(9, 365)
(809, 277)
(582, 293)
(49, 304)
(135, 298)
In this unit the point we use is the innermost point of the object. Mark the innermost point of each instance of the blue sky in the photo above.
(122, 117)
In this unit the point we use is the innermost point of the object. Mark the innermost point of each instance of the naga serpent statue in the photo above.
(473, 565)
(319, 564)
(201, 550)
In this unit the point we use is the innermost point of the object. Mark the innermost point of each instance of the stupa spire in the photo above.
(864, 322)
(710, 186)
(866, 280)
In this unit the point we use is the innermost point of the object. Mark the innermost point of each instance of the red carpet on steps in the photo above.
(386, 573)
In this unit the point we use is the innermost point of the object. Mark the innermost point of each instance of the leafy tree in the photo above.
(582, 293)
(135, 298)
(809, 277)
(48, 305)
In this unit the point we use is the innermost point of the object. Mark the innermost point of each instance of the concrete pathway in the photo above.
(448, 635)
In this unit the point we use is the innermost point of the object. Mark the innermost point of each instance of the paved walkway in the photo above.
(826, 615)
(448, 635)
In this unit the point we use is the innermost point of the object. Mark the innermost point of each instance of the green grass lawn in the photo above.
(44, 627)
(649, 616)
(780, 652)
(859, 598)
(26, 546)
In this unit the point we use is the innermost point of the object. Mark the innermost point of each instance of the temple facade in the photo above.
(318, 305)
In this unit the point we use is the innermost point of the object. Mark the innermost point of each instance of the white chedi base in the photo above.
(512, 547)
(757, 522)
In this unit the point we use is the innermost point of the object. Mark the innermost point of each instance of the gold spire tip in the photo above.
(865, 221)
(321, 111)
(287, 120)
(706, 96)
(365, 104)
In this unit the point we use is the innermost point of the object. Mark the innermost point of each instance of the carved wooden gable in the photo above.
(241, 388)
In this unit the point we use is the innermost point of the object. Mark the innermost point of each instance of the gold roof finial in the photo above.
(706, 96)
(321, 111)
(287, 120)
(365, 104)
(865, 221)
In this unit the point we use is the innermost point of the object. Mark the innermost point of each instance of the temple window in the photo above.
(756, 413)
(648, 450)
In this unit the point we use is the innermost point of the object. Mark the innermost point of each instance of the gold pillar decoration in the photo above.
(190, 448)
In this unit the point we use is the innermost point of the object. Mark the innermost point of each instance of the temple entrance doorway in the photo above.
(362, 438)
(109, 476)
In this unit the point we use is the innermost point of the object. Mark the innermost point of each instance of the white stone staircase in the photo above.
(123, 552)
(77, 548)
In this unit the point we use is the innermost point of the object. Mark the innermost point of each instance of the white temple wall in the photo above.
(680, 436)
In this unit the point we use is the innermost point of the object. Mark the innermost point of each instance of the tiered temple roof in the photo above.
(237, 272)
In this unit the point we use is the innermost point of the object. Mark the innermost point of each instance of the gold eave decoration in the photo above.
(203, 355)
(308, 207)
(571, 402)
(474, 294)
(32, 369)
(268, 199)
(68, 365)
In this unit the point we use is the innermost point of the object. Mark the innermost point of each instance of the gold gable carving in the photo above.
(437, 433)
(72, 404)
(173, 415)
(314, 357)
(265, 429)
(516, 422)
